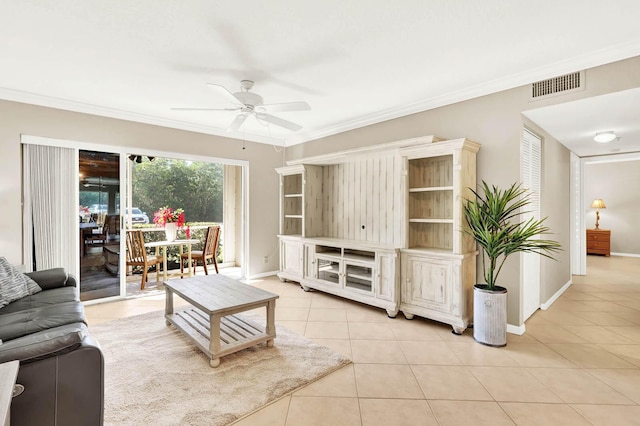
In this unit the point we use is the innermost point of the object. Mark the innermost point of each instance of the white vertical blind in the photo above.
(530, 166)
(531, 162)
(50, 212)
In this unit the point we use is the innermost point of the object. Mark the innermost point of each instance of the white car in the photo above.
(137, 216)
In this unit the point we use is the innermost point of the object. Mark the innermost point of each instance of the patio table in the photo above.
(158, 244)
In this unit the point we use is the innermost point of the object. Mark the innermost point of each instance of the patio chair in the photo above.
(97, 236)
(137, 256)
(112, 222)
(208, 252)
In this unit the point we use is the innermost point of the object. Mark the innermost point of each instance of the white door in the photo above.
(530, 162)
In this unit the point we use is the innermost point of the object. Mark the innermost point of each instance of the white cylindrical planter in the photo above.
(490, 315)
(170, 231)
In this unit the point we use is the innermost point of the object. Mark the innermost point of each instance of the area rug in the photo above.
(155, 376)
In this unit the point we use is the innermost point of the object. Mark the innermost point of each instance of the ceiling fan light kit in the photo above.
(250, 103)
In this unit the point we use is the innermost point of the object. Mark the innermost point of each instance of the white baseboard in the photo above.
(625, 254)
(546, 305)
(261, 275)
(516, 329)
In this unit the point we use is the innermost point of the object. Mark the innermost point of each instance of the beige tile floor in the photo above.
(577, 364)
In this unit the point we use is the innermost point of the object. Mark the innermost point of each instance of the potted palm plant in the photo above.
(494, 222)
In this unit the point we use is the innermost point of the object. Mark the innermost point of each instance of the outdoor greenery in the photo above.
(490, 217)
(193, 186)
(88, 198)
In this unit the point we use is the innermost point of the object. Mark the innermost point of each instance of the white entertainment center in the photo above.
(382, 225)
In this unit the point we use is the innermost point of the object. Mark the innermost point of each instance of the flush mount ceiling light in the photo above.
(605, 137)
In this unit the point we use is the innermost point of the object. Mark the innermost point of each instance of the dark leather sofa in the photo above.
(61, 365)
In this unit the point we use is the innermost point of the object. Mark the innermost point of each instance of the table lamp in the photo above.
(598, 204)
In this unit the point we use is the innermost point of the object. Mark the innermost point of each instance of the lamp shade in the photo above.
(605, 137)
(598, 203)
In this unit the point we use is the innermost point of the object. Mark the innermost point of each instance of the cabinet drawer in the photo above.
(598, 245)
(598, 237)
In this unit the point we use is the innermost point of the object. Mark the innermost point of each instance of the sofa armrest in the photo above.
(66, 389)
(52, 278)
(44, 344)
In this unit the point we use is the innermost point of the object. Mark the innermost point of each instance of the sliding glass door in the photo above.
(99, 201)
(79, 198)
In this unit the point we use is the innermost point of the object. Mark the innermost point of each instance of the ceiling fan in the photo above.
(250, 103)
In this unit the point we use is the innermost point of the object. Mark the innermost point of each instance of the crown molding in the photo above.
(86, 108)
(576, 63)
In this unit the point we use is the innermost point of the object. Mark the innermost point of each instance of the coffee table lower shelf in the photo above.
(235, 332)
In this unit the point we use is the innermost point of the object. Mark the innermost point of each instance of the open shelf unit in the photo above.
(300, 187)
(382, 225)
(431, 202)
(438, 263)
(292, 204)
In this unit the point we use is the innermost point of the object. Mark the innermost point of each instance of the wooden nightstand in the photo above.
(599, 241)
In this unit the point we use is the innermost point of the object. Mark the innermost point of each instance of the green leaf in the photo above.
(493, 221)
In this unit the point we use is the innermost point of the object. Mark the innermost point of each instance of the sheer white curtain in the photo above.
(50, 207)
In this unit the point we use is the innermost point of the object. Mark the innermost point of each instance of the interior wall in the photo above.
(18, 118)
(496, 122)
(615, 183)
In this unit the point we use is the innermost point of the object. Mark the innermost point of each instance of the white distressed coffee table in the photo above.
(210, 321)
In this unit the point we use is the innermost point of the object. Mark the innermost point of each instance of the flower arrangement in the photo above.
(168, 215)
(84, 214)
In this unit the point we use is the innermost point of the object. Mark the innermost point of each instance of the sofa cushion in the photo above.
(44, 298)
(45, 343)
(52, 278)
(21, 323)
(14, 284)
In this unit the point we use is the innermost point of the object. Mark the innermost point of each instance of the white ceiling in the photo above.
(575, 124)
(354, 62)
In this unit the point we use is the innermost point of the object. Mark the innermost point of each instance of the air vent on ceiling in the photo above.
(563, 84)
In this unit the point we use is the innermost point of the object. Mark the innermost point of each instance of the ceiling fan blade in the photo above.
(207, 109)
(287, 106)
(225, 94)
(235, 125)
(279, 121)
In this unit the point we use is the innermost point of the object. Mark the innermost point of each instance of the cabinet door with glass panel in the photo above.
(359, 270)
(358, 276)
(328, 265)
